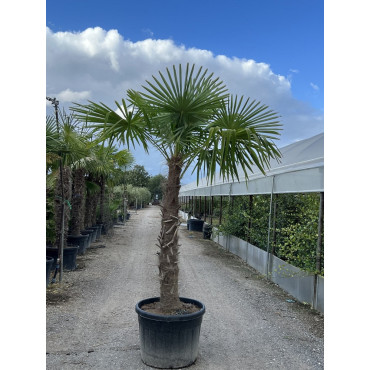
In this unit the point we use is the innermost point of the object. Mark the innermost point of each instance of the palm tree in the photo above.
(67, 147)
(108, 162)
(190, 119)
(80, 167)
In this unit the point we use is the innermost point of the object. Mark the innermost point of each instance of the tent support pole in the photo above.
(318, 248)
(250, 218)
(274, 226)
(269, 227)
(211, 212)
(205, 208)
(220, 211)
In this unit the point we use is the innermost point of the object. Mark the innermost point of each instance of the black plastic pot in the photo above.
(207, 231)
(94, 229)
(80, 240)
(169, 342)
(49, 265)
(195, 224)
(69, 257)
(98, 230)
(105, 229)
(90, 234)
(102, 228)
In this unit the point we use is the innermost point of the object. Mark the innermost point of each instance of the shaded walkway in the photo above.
(248, 322)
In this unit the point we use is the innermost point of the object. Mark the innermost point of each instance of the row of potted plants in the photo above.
(80, 176)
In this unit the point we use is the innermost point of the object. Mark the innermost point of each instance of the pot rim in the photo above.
(68, 247)
(78, 236)
(182, 317)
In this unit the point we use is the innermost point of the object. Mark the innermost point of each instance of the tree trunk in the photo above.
(102, 200)
(78, 195)
(168, 240)
(88, 205)
(92, 199)
(67, 189)
(94, 207)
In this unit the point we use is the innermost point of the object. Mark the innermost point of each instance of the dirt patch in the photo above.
(58, 293)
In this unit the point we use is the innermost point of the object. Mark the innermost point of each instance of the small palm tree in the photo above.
(189, 117)
(109, 162)
(68, 148)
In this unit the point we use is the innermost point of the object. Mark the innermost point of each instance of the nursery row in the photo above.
(86, 188)
(292, 231)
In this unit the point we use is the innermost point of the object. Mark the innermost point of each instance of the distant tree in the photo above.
(138, 176)
(155, 185)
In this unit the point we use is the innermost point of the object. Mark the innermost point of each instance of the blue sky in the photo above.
(270, 50)
(286, 34)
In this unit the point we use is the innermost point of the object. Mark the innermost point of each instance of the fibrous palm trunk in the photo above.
(67, 191)
(91, 204)
(78, 200)
(168, 240)
(88, 205)
(94, 207)
(101, 200)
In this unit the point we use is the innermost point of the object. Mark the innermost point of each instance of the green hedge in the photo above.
(294, 238)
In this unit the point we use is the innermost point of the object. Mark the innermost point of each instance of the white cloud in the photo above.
(72, 96)
(292, 72)
(148, 32)
(101, 65)
(315, 87)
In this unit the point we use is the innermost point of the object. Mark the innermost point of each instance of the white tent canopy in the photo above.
(300, 170)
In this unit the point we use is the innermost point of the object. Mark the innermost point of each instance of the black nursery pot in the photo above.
(98, 230)
(94, 229)
(196, 225)
(207, 231)
(90, 235)
(49, 265)
(104, 228)
(80, 240)
(169, 342)
(69, 257)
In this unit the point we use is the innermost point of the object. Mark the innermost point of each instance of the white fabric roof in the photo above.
(301, 170)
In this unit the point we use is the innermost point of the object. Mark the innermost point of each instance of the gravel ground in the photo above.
(248, 324)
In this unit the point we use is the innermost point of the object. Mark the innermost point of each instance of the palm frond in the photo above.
(127, 126)
(176, 105)
(241, 134)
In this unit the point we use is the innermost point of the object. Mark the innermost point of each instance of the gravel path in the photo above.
(248, 324)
